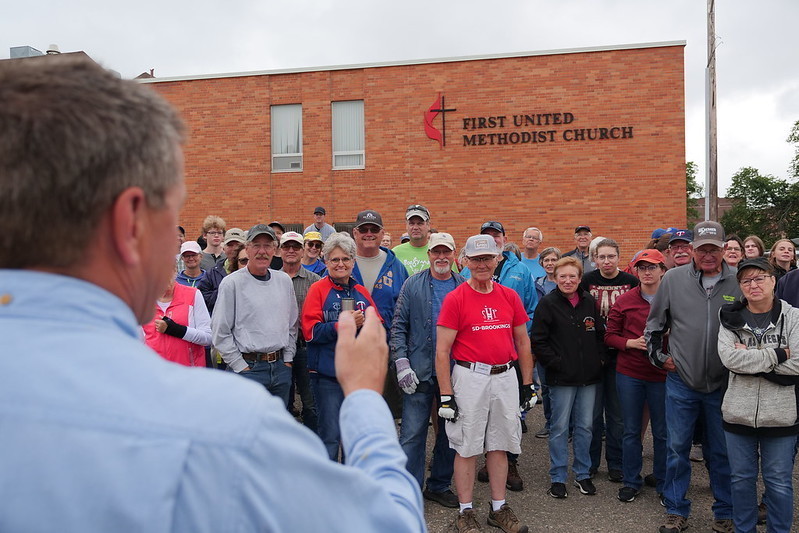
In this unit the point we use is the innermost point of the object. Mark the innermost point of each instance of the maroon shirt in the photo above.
(627, 320)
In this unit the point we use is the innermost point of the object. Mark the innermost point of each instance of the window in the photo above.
(286, 138)
(348, 150)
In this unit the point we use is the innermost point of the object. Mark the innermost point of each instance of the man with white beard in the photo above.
(413, 341)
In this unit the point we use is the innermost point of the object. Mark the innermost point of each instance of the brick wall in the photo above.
(622, 188)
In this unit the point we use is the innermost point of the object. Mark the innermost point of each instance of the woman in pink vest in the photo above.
(181, 327)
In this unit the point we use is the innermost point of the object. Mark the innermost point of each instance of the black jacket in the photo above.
(569, 340)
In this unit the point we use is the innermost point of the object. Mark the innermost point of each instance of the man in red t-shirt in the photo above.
(483, 325)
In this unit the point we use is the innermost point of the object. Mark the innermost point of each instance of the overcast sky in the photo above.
(758, 78)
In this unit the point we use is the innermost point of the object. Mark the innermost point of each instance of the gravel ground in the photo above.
(579, 513)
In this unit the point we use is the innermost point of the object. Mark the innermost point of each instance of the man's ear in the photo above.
(129, 224)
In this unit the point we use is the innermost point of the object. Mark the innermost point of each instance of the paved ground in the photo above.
(578, 513)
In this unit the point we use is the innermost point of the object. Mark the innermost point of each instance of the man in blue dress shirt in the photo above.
(98, 432)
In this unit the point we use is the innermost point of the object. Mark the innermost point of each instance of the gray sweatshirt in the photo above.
(683, 309)
(755, 399)
(251, 315)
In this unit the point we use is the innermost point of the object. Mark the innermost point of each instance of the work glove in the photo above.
(406, 377)
(173, 328)
(448, 409)
(529, 398)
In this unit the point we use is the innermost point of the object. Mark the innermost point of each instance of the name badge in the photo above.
(482, 368)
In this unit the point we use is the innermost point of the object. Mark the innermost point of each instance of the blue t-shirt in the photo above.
(440, 289)
(534, 267)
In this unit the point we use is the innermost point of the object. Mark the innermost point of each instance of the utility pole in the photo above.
(711, 177)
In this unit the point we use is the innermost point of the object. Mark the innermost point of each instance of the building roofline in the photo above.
(562, 51)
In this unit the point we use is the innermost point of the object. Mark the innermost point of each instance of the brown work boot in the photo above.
(514, 481)
(465, 522)
(674, 524)
(506, 520)
(723, 525)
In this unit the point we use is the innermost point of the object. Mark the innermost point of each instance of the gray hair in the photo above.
(73, 137)
(540, 233)
(514, 249)
(547, 252)
(339, 240)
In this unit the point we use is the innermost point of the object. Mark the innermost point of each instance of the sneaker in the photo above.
(723, 525)
(662, 500)
(524, 426)
(674, 524)
(651, 481)
(466, 522)
(696, 454)
(628, 494)
(482, 474)
(506, 520)
(761, 513)
(514, 481)
(446, 498)
(616, 476)
(586, 486)
(543, 433)
(558, 490)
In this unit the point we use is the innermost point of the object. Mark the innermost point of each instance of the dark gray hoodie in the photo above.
(683, 309)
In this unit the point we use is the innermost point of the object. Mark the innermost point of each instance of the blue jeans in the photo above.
(607, 418)
(276, 377)
(413, 437)
(776, 460)
(634, 394)
(542, 376)
(575, 403)
(329, 397)
(683, 405)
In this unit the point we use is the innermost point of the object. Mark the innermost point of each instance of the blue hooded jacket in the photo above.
(387, 286)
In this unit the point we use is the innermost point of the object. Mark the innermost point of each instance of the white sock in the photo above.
(497, 504)
(464, 506)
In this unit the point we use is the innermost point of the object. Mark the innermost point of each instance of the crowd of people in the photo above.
(616, 351)
(692, 337)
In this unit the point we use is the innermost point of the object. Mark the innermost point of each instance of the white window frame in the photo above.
(358, 138)
(294, 158)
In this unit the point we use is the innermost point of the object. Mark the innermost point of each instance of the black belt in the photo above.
(495, 369)
(255, 357)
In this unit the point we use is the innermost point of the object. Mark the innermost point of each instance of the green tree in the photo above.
(692, 191)
(762, 205)
(793, 138)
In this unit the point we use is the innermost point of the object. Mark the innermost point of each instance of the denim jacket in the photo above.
(412, 329)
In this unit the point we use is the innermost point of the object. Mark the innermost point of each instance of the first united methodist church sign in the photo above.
(522, 128)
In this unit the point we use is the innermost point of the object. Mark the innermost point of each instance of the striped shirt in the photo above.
(302, 281)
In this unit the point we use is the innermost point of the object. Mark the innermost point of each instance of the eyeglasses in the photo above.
(610, 257)
(243, 260)
(217, 233)
(314, 244)
(417, 207)
(531, 238)
(759, 280)
(342, 260)
(369, 228)
(291, 245)
(483, 259)
(647, 268)
(680, 247)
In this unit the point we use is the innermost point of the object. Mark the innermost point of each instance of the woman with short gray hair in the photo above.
(332, 295)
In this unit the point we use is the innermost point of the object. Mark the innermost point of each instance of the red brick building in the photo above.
(552, 139)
